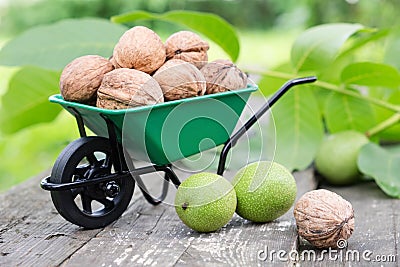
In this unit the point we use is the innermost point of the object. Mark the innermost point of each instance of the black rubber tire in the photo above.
(67, 168)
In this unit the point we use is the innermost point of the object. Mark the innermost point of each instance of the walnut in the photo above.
(179, 79)
(81, 78)
(222, 75)
(115, 64)
(125, 88)
(139, 48)
(323, 218)
(187, 46)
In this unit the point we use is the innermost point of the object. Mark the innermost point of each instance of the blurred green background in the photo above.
(266, 29)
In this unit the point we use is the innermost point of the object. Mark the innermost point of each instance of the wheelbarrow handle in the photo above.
(271, 101)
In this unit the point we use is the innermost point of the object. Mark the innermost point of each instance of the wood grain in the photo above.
(33, 234)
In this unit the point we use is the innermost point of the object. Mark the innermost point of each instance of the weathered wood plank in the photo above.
(153, 236)
(375, 214)
(376, 229)
(31, 232)
(139, 237)
(247, 243)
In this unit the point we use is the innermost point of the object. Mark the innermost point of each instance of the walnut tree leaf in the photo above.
(53, 46)
(383, 165)
(26, 101)
(317, 47)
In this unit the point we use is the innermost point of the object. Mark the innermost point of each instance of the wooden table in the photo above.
(33, 234)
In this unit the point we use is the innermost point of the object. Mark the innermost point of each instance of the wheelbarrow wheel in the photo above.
(92, 206)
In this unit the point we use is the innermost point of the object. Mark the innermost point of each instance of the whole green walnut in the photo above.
(205, 202)
(336, 159)
(265, 191)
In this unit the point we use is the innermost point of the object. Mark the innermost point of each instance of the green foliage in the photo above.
(371, 74)
(353, 91)
(212, 26)
(33, 150)
(55, 45)
(266, 14)
(317, 47)
(35, 85)
(390, 133)
(21, 15)
(392, 53)
(383, 165)
(344, 112)
(298, 129)
(362, 94)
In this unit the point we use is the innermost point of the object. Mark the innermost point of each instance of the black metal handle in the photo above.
(235, 137)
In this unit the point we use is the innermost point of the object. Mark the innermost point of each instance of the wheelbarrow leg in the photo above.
(145, 191)
(79, 121)
(117, 149)
(169, 175)
(172, 175)
(124, 163)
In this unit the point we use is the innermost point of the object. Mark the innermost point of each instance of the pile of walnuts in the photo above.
(143, 70)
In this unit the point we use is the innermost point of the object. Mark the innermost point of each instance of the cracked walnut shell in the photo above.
(81, 78)
(222, 75)
(139, 48)
(179, 79)
(324, 218)
(125, 88)
(187, 46)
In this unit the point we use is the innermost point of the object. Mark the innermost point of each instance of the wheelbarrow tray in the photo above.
(169, 131)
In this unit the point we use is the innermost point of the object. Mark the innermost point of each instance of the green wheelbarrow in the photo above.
(93, 179)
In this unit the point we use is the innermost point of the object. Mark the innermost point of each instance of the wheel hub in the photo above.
(111, 189)
(100, 190)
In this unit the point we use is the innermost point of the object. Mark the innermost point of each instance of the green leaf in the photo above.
(372, 35)
(317, 47)
(134, 16)
(344, 112)
(296, 130)
(391, 134)
(371, 74)
(392, 52)
(214, 27)
(383, 165)
(33, 151)
(26, 101)
(269, 84)
(54, 46)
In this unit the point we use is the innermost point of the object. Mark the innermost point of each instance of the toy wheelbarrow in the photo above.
(93, 179)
